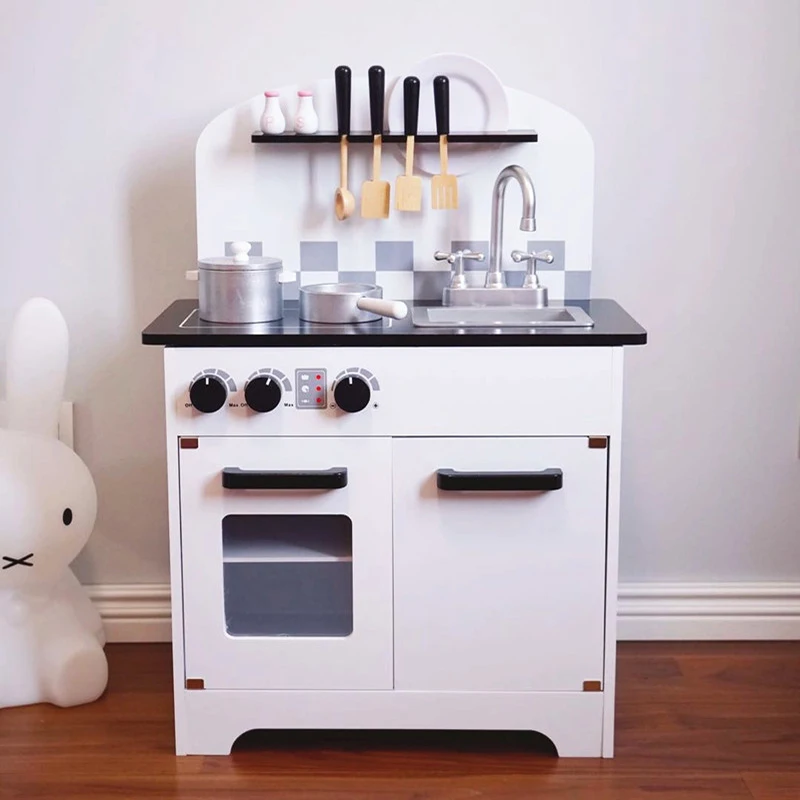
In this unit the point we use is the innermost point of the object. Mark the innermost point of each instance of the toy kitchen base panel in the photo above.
(212, 720)
(430, 541)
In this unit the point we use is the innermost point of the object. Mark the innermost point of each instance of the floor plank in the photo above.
(694, 720)
(773, 786)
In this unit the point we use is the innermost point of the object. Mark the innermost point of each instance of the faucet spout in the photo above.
(494, 274)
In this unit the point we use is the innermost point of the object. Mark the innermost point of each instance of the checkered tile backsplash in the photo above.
(395, 269)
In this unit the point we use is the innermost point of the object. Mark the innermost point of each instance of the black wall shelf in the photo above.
(364, 137)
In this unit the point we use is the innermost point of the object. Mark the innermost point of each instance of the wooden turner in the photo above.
(376, 194)
(444, 187)
(408, 189)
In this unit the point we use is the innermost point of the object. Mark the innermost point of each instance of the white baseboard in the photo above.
(647, 611)
(134, 612)
(653, 611)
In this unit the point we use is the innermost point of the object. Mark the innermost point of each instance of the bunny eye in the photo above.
(67, 516)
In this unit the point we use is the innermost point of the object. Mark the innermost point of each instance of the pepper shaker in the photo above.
(305, 120)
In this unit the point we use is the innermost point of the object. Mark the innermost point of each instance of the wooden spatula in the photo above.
(376, 194)
(408, 190)
(444, 187)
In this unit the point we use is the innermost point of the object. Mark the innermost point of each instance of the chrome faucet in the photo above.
(494, 274)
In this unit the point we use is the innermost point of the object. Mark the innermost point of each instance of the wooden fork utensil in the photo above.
(444, 187)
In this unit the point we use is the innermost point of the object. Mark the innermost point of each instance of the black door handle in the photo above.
(547, 480)
(235, 478)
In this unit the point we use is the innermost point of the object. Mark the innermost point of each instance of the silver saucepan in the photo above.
(345, 303)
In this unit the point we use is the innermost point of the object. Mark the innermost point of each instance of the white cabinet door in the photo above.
(497, 589)
(287, 562)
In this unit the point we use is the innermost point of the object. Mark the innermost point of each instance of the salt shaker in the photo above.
(272, 120)
(305, 120)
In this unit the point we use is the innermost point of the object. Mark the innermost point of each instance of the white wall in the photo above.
(695, 110)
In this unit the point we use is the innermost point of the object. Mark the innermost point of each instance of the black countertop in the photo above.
(179, 326)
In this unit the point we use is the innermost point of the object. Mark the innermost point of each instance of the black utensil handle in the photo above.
(235, 478)
(344, 77)
(411, 104)
(377, 83)
(441, 101)
(547, 480)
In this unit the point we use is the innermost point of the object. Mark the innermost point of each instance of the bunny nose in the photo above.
(25, 561)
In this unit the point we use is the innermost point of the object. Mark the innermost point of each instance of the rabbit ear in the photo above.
(36, 367)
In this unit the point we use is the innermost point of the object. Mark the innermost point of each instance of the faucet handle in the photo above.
(531, 280)
(459, 255)
(459, 280)
(521, 255)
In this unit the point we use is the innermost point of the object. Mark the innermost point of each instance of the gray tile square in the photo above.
(358, 277)
(429, 285)
(291, 291)
(514, 279)
(319, 256)
(577, 285)
(395, 256)
(556, 248)
(471, 264)
(256, 249)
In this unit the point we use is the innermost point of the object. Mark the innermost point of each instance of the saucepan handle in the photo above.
(395, 309)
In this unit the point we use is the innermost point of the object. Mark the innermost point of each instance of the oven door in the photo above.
(287, 562)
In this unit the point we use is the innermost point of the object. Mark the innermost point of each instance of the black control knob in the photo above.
(263, 393)
(352, 394)
(208, 393)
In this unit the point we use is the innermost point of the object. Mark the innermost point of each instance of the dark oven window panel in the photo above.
(288, 574)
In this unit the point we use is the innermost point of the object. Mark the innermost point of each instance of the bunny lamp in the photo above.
(51, 636)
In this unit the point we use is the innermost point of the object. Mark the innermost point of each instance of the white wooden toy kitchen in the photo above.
(411, 527)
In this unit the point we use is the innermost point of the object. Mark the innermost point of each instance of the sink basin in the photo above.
(501, 317)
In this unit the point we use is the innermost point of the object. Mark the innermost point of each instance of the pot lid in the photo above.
(240, 260)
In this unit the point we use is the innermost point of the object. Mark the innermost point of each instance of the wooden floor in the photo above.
(695, 720)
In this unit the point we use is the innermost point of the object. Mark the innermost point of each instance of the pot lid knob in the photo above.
(240, 252)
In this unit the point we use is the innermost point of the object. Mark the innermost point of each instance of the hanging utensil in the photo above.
(444, 187)
(408, 191)
(376, 194)
(345, 200)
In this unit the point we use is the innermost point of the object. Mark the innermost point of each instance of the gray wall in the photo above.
(695, 110)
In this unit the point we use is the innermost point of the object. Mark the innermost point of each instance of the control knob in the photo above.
(208, 393)
(352, 394)
(263, 393)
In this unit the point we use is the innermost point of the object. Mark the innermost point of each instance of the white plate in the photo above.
(478, 103)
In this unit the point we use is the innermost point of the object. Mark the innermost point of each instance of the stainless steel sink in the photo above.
(501, 317)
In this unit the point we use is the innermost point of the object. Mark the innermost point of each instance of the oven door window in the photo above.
(288, 574)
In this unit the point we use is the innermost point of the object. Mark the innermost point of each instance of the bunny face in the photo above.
(48, 506)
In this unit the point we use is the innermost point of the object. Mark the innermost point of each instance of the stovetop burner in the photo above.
(291, 323)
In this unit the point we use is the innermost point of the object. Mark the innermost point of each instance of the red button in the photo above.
(319, 399)
(319, 377)
(319, 388)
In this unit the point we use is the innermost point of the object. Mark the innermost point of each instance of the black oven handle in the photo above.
(546, 480)
(236, 478)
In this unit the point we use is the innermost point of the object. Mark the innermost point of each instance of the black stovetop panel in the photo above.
(180, 326)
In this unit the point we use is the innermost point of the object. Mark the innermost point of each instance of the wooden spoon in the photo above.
(345, 200)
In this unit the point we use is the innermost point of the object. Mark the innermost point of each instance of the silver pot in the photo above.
(346, 303)
(241, 289)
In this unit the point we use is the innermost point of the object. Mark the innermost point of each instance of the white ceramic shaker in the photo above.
(272, 120)
(305, 119)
